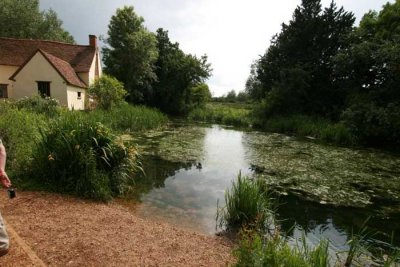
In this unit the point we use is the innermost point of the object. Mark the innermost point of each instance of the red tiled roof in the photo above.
(15, 52)
(62, 67)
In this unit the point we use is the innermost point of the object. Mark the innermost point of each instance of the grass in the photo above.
(79, 156)
(306, 126)
(233, 114)
(51, 148)
(246, 204)
(129, 118)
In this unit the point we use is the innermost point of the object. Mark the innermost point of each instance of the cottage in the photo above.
(54, 69)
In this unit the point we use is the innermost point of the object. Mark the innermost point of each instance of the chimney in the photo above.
(93, 41)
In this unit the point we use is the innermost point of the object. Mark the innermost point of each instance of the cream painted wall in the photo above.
(89, 77)
(39, 69)
(72, 96)
(92, 72)
(5, 73)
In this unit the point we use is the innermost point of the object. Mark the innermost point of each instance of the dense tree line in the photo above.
(23, 19)
(154, 70)
(321, 65)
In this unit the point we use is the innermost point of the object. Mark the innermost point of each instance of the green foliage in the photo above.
(107, 91)
(257, 250)
(315, 127)
(223, 113)
(46, 106)
(23, 19)
(19, 129)
(129, 118)
(374, 125)
(295, 74)
(180, 76)
(131, 53)
(246, 205)
(200, 94)
(81, 157)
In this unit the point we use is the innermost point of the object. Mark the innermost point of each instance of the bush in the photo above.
(19, 130)
(78, 156)
(107, 91)
(374, 125)
(47, 106)
(246, 204)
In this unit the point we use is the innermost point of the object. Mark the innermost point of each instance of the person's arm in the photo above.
(5, 181)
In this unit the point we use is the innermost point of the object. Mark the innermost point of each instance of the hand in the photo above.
(5, 181)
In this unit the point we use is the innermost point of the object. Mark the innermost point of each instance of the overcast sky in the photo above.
(233, 33)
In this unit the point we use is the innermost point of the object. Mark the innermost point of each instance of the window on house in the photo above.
(79, 95)
(44, 89)
(3, 91)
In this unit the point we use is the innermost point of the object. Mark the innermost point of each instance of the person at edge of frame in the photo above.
(5, 181)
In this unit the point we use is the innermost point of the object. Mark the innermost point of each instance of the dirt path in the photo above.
(59, 230)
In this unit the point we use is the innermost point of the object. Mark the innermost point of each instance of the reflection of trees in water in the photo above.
(156, 171)
(312, 217)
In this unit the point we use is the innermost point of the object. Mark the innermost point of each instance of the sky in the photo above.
(233, 33)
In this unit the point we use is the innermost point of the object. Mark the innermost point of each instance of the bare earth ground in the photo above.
(55, 230)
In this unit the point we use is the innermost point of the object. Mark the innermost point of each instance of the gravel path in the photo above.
(65, 231)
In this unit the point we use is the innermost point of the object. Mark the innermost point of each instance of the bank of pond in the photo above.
(179, 173)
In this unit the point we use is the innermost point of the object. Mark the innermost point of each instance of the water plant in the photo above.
(79, 156)
(246, 204)
(256, 249)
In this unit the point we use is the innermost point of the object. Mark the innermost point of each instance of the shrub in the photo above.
(246, 204)
(19, 131)
(107, 91)
(374, 125)
(79, 156)
(48, 106)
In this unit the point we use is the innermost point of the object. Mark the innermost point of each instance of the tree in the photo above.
(253, 85)
(231, 96)
(177, 73)
(368, 71)
(200, 94)
(23, 19)
(131, 54)
(306, 47)
(107, 91)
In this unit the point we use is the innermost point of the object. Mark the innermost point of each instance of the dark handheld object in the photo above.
(11, 193)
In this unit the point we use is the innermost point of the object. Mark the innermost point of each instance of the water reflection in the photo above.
(178, 191)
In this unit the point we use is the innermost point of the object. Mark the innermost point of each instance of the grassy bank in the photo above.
(234, 114)
(305, 126)
(245, 115)
(129, 118)
(51, 148)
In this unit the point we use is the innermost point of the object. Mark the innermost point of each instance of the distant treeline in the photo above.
(319, 65)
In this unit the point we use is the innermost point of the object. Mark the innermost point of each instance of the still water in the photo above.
(325, 192)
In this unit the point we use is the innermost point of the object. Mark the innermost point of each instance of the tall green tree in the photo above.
(130, 54)
(296, 72)
(177, 74)
(23, 19)
(369, 73)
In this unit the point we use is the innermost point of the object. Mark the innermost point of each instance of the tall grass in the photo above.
(301, 125)
(246, 204)
(223, 113)
(256, 249)
(79, 156)
(19, 130)
(128, 118)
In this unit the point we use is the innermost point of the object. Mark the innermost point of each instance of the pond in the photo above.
(323, 191)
